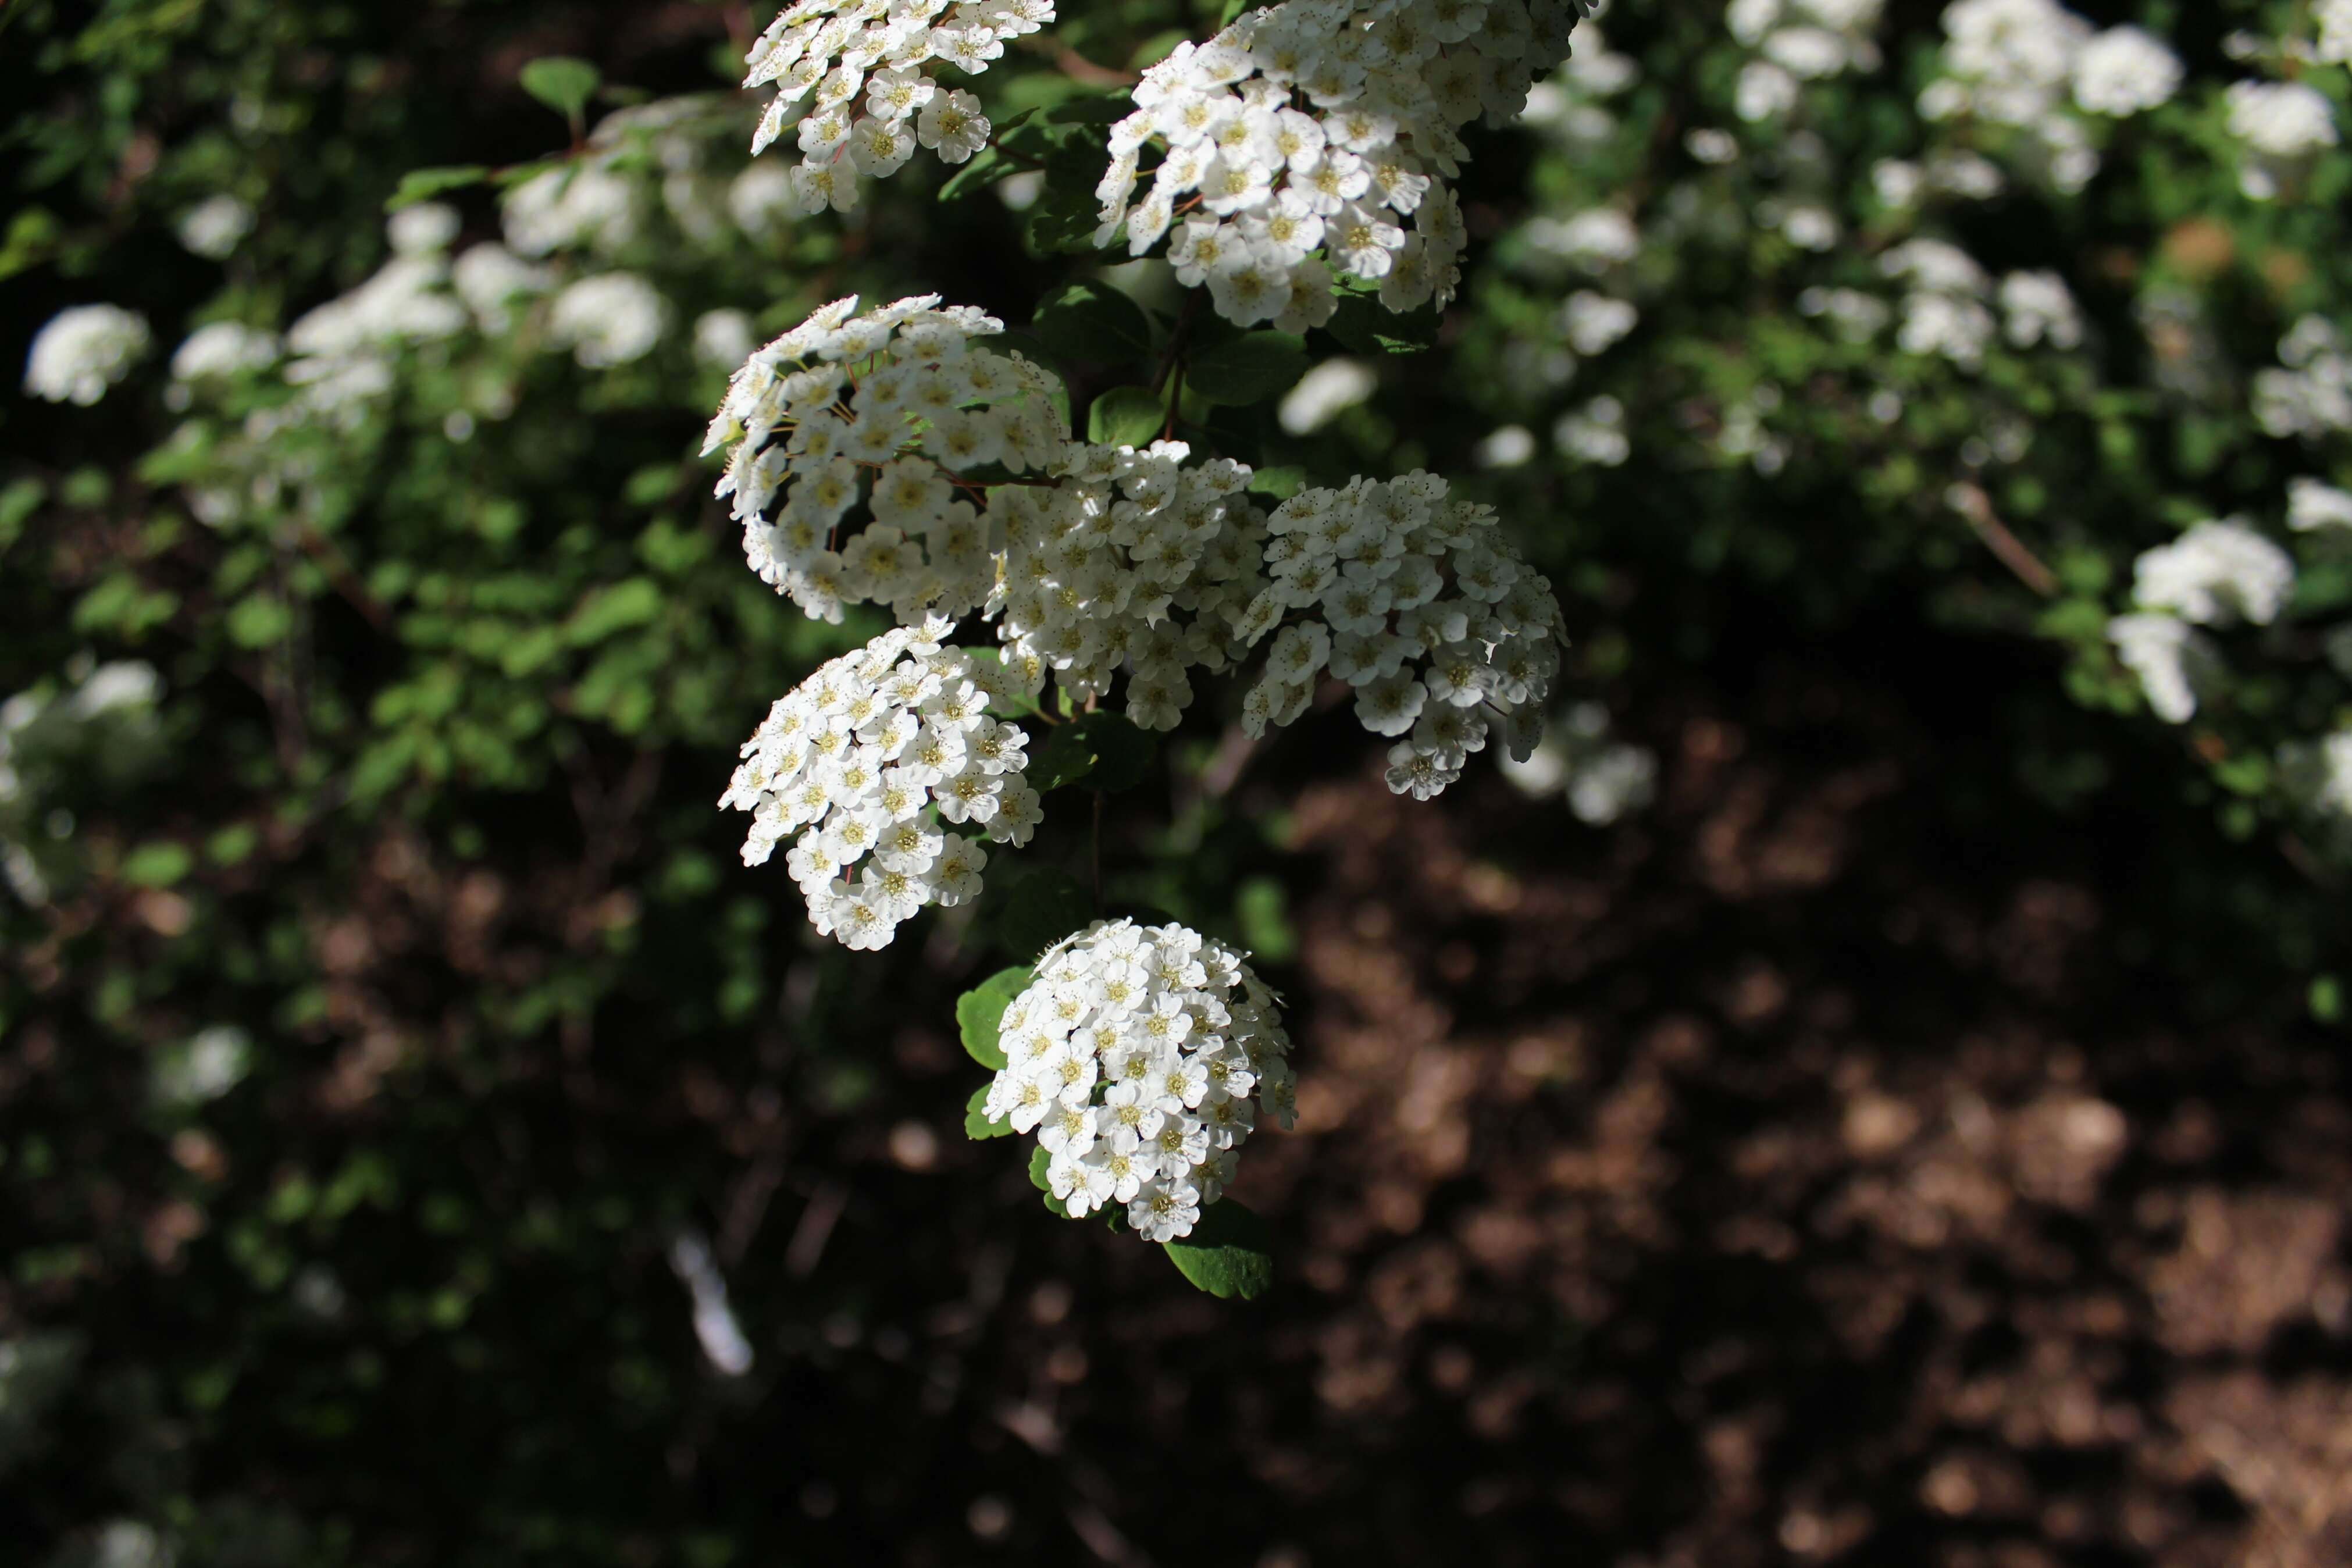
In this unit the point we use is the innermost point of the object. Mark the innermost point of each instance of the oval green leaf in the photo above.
(1127, 416)
(980, 1010)
(1230, 1253)
(1251, 368)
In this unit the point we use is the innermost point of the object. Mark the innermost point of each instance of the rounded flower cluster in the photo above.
(2216, 574)
(860, 65)
(82, 351)
(870, 761)
(1317, 136)
(885, 410)
(1135, 564)
(1142, 1057)
(1415, 601)
(2280, 124)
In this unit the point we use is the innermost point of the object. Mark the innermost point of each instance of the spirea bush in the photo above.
(1382, 360)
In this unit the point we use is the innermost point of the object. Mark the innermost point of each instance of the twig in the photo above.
(1970, 502)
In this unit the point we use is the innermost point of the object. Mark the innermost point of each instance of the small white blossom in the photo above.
(82, 351)
(214, 226)
(2214, 575)
(610, 318)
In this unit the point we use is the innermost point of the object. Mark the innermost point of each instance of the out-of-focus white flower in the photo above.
(2335, 20)
(1764, 91)
(1509, 447)
(214, 227)
(207, 1066)
(609, 319)
(1594, 322)
(489, 278)
(576, 206)
(1594, 433)
(2312, 503)
(2038, 308)
(2124, 72)
(82, 351)
(422, 229)
(2282, 123)
(722, 338)
(1709, 145)
(224, 348)
(1596, 238)
(2216, 574)
(1325, 393)
(2171, 657)
(760, 198)
(1602, 780)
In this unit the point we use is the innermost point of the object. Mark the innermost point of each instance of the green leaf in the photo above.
(563, 83)
(976, 1124)
(1092, 322)
(1281, 483)
(157, 865)
(984, 169)
(980, 1010)
(1102, 749)
(1040, 911)
(1038, 1161)
(1369, 327)
(1248, 368)
(424, 184)
(1064, 219)
(1127, 416)
(1230, 1252)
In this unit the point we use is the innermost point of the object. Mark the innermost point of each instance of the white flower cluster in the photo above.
(1305, 137)
(2215, 574)
(831, 53)
(2335, 20)
(2282, 124)
(1949, 308)
(1415, 601)
(82, 351)
(1135, 564)
(1142, 1056)
(2309, 392)
(2023, 64)
(865, 761)
(2314, 504)
(2124, 72)
(1603, 780)
(1798, 41)
(900, 395)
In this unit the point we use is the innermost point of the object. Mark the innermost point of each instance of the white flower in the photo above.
(609, 319)
(421, 229)
(2312, 504)
(490, 277)
(224, 348)
(1142, 1056)
(2335, 20)
(1346, 110)
(214, 227)
(575, 206)
(861, 763)
(82, 351)
(2039, 309)
(2216, 574)
(1595, 238)
(1324, 393)
(953, 127)
(2282, 124)
(1595, 433)
(722, 338)
(2124, 72)
(2171, 659)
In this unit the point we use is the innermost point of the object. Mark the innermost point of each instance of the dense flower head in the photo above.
(2124, 72)
(1319, 136)
(865, 70)
(83, 351)
(871, 764)
(2309, 392)
(1134, 564)
(1414, 600)
(2216, 574)
(1142, 1057)
(884, 413)
(2279, 125)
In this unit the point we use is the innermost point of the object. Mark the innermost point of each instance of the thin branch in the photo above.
(1970, 502)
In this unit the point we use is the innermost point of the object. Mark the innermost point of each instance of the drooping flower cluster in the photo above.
(885, 409)
(834, 53)
(870, 761)
(2216, 574)
(1318, 136)
(1417, 602)
(1142, 1057)
(83, 351)
(1135, 564)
